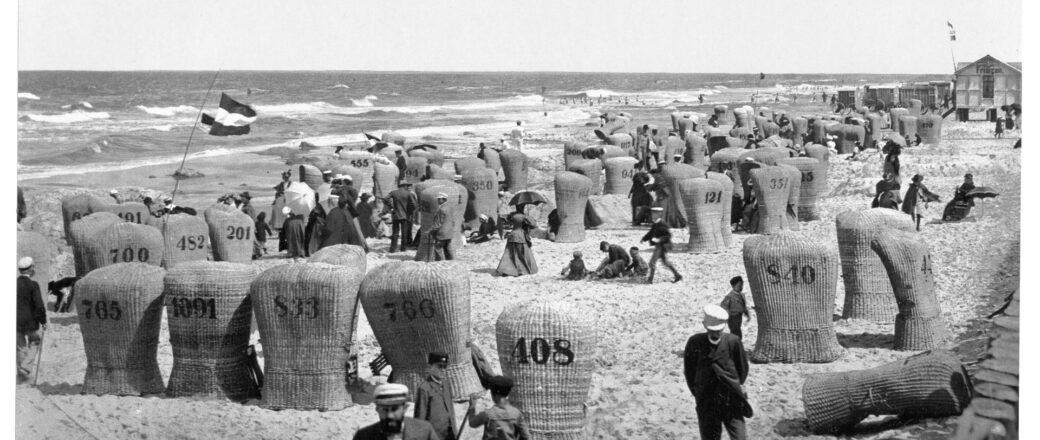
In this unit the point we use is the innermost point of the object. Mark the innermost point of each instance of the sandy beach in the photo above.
(638, 389)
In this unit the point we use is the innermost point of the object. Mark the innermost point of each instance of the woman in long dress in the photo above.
(518, 259)
(294, 234)
(917, 198)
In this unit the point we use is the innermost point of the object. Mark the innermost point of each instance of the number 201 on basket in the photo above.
(540, 353)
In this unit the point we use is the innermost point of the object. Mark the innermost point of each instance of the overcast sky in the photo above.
(748, 36)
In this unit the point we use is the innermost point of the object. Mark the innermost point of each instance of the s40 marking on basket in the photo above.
(101, 310)
(296, 307)
(560, 353)
(794, 274)
(128, 255)
(197, 308)
(409, 310)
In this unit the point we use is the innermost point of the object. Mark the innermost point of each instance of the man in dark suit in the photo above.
(433, 399)
(401, 204)
(614, 253)
(391, 400)
(31, 317)
(442, 230)
(716, 367)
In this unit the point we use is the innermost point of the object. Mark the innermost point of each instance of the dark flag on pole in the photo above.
(953, 35)
(761, 76)
(232, 119)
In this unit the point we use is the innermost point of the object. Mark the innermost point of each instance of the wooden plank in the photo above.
(989, 375)
(997, 391)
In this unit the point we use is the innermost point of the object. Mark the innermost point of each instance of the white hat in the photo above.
(338, 177)
(25, 263)
(347, 177)
(286, 210)
(483, 217)
(114, 191)
(442, 196)
(715, 317)
(390, 394)
(458, 177)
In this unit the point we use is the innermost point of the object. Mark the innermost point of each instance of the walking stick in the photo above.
(463, 426)
(39, 355)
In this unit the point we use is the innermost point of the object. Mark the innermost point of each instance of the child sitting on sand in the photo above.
(638, 266)
(576, 269)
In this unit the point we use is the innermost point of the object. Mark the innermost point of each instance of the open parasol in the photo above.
(299, 198)
(370, 137)
(897, 138)
(982, 192)
(422, 147)
(525, 197)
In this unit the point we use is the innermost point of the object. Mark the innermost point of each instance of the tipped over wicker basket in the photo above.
(868, 292)
(908, 261)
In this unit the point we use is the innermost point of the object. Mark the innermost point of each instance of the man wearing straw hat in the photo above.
(31, 316)
(442, 230)
(433, 399)
(391, 400)
(716, 367)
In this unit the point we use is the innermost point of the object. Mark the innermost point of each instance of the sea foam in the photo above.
(167, 111)
(66, 118)
(29, 96)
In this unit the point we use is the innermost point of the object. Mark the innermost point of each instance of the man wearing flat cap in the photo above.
(247, 206)
(31, 316)
(501, 421)
(442, 230)
(391, 400)
(433, 399)
(716, 367)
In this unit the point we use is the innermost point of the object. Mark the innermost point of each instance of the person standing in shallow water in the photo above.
(735, 305)
(715, 367)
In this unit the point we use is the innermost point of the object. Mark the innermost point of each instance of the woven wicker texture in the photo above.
(800, 126)
(436, 172)
(231, 237)
(76, 207)
(874, 130)
(818, 152)
(772, 190)
(514, 166)
(725, 159)
(838, 130)
(415, 169)
(673, 146)
(820, 130)
(619, 175)
(571, 151)
(793, 279)
(765, 112)
(728, 186)
(868, 292)
(760, 122)
(930, 384)
(363, 161)
(468, 163)
(42, 251)
(908, 126)
(311, 175)
(433, 156)
(457, 201)
(350, 256)
(549, 348)
(418, 308)
(209, 315)
(482, 186)
(122, 242)
(620, 140)
(357, 176)
(929, 127)
(793, 198)
(893, 116)
(720, 112)
(84, 228)
(685, 125)
(703, 201)
(591, 168)
(129, 212)
(185, 238)
(611, 151)
(696, 150)
(492, 159)
(770, 129)
(120, 310)
(393, 137)
(421, 187)
(384, 179)
(390, 152)
(304, 312)
(813, 185)
(740, 118)
(853, 134)
(908, 261)
(209, 213)
(739, 132)
(915, 107)
(572, 194)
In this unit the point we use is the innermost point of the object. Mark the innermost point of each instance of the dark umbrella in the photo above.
(422, 147)
(524, 197)
(371, 137)
(378, 146)
(982, 192)
(897, 138)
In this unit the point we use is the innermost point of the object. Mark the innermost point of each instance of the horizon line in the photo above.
(470, 71)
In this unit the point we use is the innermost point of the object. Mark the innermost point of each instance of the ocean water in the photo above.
(74, 121)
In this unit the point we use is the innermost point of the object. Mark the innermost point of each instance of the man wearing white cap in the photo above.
(716, 367)
(442, 230)
(391, 400)
(31, 316)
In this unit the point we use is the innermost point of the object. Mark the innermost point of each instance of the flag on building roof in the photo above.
(232, 119)
(953, 35)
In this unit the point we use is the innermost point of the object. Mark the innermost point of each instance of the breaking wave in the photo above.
(167, 111)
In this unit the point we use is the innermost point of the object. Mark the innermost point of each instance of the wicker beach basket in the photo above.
(703, 200)
(209, 315)
(793, 198)
(908, 261)
(673, 146)
(740, 132)
(352, 257)
(390, 152)
(185, 238)
(853, 134)
(820, 130)
(42, 251)
(772, 190)
(482, 186)
(393, 137)
(611, 151)
(800, 126)
(231, 237)
(357, 177)
(84, 228)
(741, 119)
(728, 186)
(926, 385)
(492, 159)
(550, 349)
(818, 152)
(122, 242)
(436, 172)
(211, 211)
(620, 171)
(873, 130)
(765, 112)
(915, 107)
(696, 150)
(515, 168)
(433, 156)
(572, 194)
(893, 116)
(793, 279)
(813, 185)
(725, 159)
(304, 312)
(468, 163)
(717, 140)
(685, 125)
(908, 126)
(720, 112)
(120, 311)
(363, 161)
(868, 292)
(129, 212)
(620, 140)
(591, 168)
(76, 207)
(311, 175)
(929, 127)
(419, 308)
(415, 169)
(770, 129)
(572, 151)
(384, 179)
(456, 204)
